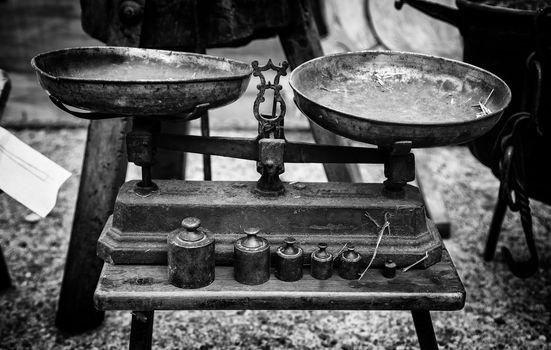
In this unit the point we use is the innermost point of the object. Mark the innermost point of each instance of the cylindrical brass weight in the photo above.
(321, 263)
(190, 255)
(389, 270)
(350, 266)
(251, 258)
(289, 261)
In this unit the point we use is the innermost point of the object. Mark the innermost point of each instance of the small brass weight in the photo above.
(251, 255)
(321, 263)
(289, 261)
(190, 255)
(350, 264)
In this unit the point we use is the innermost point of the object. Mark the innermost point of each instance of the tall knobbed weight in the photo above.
(251, 258)
(321, 263)
(190, 255)
(289, 261)
(350, 266)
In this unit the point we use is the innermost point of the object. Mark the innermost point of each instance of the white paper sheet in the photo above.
(28, 176)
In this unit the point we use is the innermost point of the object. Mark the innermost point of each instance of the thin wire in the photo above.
(340, 251)
(417, 262)
(381, 232)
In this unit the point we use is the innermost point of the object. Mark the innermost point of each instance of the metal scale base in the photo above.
(335, 213)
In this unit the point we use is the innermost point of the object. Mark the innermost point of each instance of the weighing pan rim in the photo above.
(138, 81)
(397, 53)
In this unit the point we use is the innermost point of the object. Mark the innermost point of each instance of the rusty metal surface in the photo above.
(349, 264)
(140, 82)
(334, 213)
(289, 261)
(321, 263)
(247, 148)
(381, 97)
(251, 258)
(270, 166)
(190, 255)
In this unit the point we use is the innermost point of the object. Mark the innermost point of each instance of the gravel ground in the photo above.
(501, 312)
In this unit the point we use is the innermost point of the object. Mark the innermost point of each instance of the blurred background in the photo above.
(501, 312)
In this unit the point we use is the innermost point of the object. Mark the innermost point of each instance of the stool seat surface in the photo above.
(146, 287)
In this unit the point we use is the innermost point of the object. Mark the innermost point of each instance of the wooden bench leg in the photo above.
(103, 172)
(5, 281)
(425, 332)
(141, 331)
(301, 42)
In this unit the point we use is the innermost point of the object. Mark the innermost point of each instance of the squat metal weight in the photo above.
(190, 255)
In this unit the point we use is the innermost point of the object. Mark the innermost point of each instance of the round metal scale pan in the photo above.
(140, 82)
(381, 97)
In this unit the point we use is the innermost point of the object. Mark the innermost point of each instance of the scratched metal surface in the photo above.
(132, 81)
(381, 97)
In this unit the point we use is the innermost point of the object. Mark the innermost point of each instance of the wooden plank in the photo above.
(103, 171)
(143, 287)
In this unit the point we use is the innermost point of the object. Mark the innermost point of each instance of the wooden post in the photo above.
(103, 171)
(423, 327)
(301, 42)
(141, 331)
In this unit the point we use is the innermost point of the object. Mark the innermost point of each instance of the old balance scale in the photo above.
(396, 101)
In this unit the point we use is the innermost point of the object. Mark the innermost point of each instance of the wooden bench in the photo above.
(144, 289)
